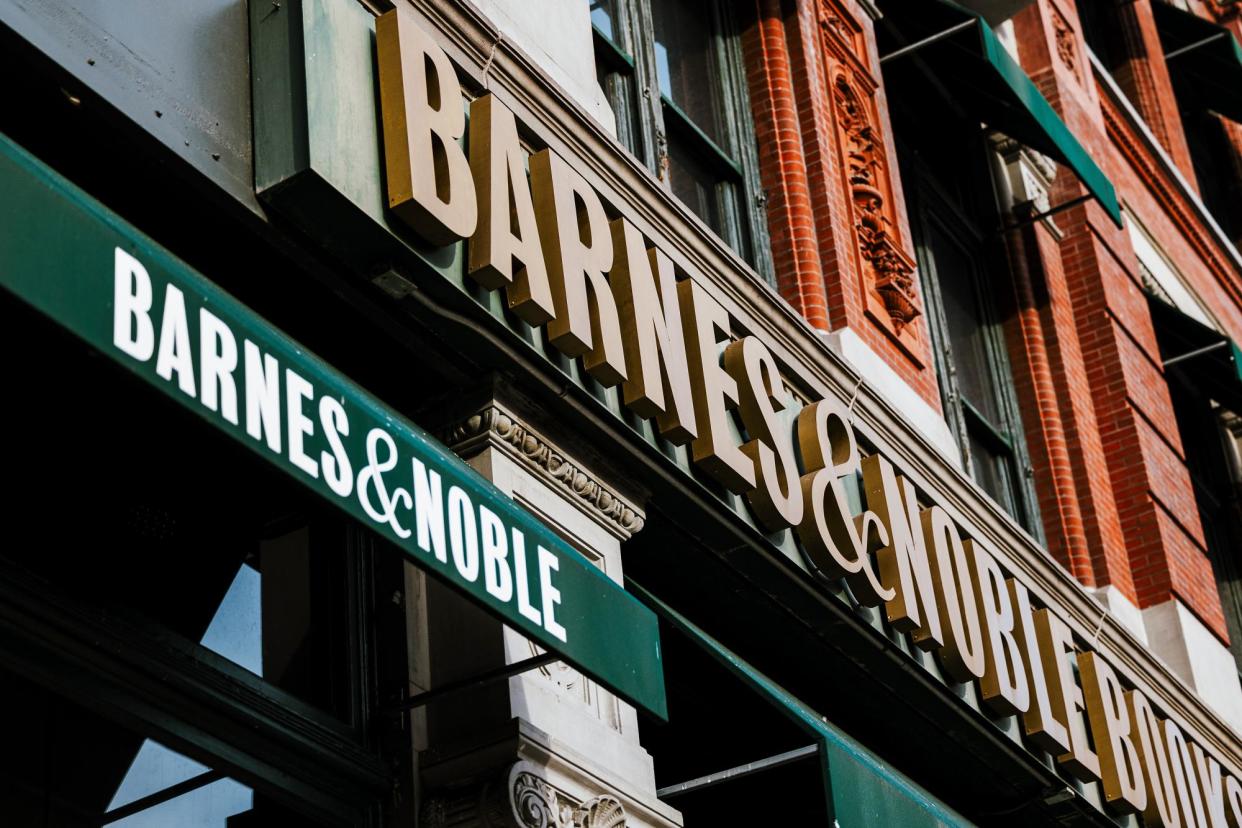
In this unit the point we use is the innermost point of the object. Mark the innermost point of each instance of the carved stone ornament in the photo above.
(838, 24)
(520, 798)
(1030, 174)
(889, 271)
(832, 20)
(536, 804)
(500, 428)
(1067, 48)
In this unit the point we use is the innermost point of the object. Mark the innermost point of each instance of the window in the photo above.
(953, 219)
(66, 765)
(1102, 30)
(673, 72)
(1201, 371)
(1216, 159)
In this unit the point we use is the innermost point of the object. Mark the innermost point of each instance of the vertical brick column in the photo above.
(1043, 425)
(1072, 479)
(1114, 398)
(1165, 544)
(782, 165)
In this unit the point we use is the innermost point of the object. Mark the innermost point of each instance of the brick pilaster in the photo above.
(782, 163)
(1105, 361)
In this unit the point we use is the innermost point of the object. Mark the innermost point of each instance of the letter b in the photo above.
(132, 330)
(429, 183)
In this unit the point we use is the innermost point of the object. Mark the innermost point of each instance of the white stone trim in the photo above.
(557, 36)
(881, 378)
(1122, 609)
(1165, 275)
(1191, 651)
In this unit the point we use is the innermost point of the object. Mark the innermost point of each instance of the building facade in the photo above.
(590, 413)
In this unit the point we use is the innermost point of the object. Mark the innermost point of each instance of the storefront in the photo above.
(396, 450)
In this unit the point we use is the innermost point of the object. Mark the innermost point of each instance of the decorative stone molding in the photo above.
(1066, 42)
(890, 270)
(520, 798)
(538, 804)
(887, 270)
(1029, 173)
(534, 802)
(836, 21)
(495, 426)
(574, 685)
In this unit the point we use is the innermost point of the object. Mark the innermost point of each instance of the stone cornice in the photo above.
(495, 426)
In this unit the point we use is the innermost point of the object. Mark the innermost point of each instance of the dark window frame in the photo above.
(1212, 465)
(1003, 438)
(965, 226)
(648, 121)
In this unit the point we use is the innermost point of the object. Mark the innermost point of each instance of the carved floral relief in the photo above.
(887, 270)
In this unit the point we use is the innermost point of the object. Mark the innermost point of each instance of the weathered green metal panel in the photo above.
(319, 157)
(59, 252)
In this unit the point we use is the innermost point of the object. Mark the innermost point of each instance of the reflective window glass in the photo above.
(603, 13)
(955, 274)
(685, 63)
(66, 766)
(188, 538)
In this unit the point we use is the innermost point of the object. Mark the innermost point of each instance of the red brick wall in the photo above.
(1110, 472)
(1160, 553)
(783, 169)
(789, 50)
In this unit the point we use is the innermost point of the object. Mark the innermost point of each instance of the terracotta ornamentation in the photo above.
(888, 270)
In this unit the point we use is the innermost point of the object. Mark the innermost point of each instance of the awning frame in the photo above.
(1061, 143)
(1196, 352)
(927, 41)
(1204, 57)
(831, 744)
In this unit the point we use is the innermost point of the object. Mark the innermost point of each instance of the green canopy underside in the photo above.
(1216, 372)
(862, 790)
(1209, 70)
(987, 82)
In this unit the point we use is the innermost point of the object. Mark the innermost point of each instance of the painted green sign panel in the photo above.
(81, 265)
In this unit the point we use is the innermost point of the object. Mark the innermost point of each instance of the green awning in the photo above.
(861, 790)
(966, 57)
(1204, 59)
(75, 261)
(1211, 361)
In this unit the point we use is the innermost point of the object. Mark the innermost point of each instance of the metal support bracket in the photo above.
(1052, 211)
(1195, 45)
(738, 772)
(1196, 352)
(919, 44)
(201, 780)
(481, 680)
